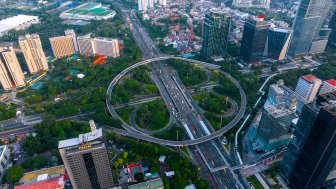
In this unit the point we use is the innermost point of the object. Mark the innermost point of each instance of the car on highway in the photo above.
(224, 141)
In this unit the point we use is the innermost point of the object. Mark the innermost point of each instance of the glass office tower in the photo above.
(307, 24)
(309, 161)
(216, 30)
(254, 39)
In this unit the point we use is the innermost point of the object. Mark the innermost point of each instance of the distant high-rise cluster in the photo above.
(217, 24)
(274, 128)
(31, 48)
(63, 46)
(262, 40)
(310, 159)
(11, 75)
(308, 34)
(144, 5)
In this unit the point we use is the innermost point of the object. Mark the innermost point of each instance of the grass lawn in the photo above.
(256, 184)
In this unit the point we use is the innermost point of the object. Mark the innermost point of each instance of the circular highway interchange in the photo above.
(133, 132)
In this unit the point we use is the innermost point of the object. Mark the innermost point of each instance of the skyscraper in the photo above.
(62, 46)
(274, 127)
(328, 86)
(98, 46)
(31, 48)
(86, 161)
(144, 5)
(86, 45)
(107, 47)
(11, 75)
(310, 159)
(332, 36)
(254, 39)
(307, 24)
(308, 86)
(277, 43)
(216, 30)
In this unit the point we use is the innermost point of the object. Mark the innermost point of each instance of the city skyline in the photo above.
(110, 102)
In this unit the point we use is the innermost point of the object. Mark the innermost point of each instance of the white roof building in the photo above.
(18, 22)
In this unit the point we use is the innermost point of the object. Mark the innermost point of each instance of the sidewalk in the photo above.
(262, 181)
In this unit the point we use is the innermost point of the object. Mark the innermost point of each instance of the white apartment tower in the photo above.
(11, 75)
(86, 45)
(144, 5)
(107, 47)
(31, 48)
(307, 87)
(98, 46)
(163, 2)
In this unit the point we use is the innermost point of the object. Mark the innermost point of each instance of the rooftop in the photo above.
(309, 78)
(278, 110)
(87, 137)
(34, 175)
(53, 183)
(282, 30)
(332, 82)
(14, 21)
(153, 184)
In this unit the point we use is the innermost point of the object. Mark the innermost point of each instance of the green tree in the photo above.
(124, 155)
(14, 173)
(28, 163)
(140, 177)
(39, 162)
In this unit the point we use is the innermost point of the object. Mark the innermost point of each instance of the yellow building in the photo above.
(11, 75)
(62, 46)
(31, 48)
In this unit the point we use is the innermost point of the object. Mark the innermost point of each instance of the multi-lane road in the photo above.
(208, 150)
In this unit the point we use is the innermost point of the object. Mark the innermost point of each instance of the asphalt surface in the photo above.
(184, 109)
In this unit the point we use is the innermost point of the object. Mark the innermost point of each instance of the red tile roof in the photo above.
(54, 183)
(332, 82)
(310, 78)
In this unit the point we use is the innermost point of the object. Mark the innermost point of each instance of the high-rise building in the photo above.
(310, 159)
(307, 87)
(86, 45)
(144, 5)
(11, 75)
(107, 47)
(31, 48)
(307, 24)
(72, 34)
(277, 43)
(332, 36)
(163, 2)
(274, 128)
(328, 86)
(62, 46)
(98, 46)
(216, 30)
(86, 161)
(254, 39)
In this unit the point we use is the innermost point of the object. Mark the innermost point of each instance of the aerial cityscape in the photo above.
(168, 94)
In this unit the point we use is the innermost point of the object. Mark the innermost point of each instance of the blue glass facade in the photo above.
(307, 24)
(311, 155)
(254, 40)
